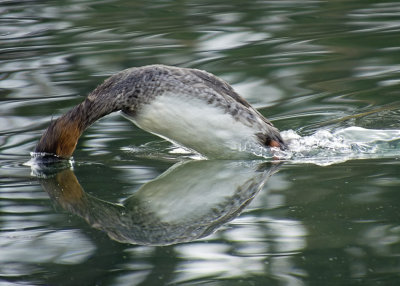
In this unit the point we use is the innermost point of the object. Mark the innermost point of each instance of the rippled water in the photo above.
(131, 209)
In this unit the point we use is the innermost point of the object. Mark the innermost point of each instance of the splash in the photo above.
(326, 147)
(44, 164)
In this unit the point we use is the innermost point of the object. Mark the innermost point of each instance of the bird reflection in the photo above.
(187, 202)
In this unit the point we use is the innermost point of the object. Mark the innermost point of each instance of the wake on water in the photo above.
(326, 147)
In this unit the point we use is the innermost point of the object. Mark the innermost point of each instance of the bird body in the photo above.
(189, 107)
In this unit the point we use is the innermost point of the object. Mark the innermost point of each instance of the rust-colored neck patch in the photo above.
(61, 137)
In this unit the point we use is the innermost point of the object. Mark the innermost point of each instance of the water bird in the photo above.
(189, 107)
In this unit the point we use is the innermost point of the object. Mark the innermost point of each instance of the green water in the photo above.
(134, 211)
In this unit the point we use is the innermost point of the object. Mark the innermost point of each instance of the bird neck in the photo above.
(61, 137)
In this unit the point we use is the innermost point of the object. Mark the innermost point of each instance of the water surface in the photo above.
(139, 211)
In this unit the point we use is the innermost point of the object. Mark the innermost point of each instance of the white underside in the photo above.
(195, 124)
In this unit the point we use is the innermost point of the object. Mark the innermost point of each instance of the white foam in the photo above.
(44, 164)
(326, 147)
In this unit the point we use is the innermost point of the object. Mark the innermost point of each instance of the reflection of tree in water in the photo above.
(187, 202)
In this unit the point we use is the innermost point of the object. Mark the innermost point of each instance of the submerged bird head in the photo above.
(134, 90)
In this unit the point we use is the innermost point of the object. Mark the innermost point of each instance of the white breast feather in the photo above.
(195, 124)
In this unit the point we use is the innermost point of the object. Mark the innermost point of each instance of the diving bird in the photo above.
(189, 107)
